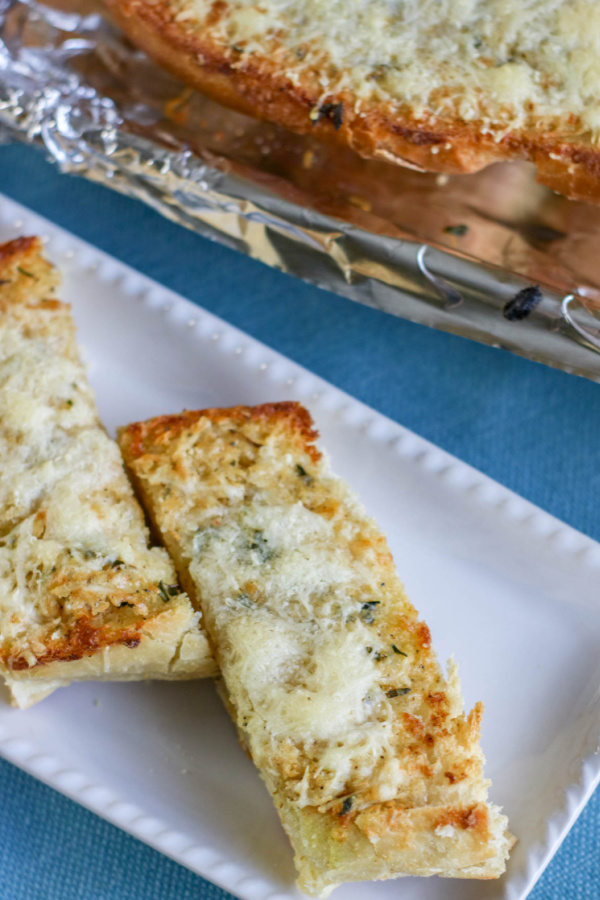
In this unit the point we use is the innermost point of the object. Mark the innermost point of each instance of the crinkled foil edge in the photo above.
(83, 133)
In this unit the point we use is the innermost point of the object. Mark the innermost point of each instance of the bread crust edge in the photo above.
(255, 87)
(167, 645)
(349, 841)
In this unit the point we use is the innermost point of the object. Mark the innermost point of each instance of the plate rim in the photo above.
(202, 860)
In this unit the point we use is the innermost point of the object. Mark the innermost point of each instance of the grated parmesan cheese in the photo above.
(74, 550)
(326, 669)
(504, 62)
(298, 589)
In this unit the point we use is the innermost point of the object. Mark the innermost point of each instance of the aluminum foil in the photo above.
(494, 256)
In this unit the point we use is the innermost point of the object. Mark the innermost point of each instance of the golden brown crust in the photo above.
(228, 491)
(257, 87)
(155, 435)
(22, 267)
(68, 609)
(19, 250)
(83, 639)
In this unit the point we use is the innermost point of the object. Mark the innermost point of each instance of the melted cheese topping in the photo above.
(73, 542)
(322, 653)
(286, 595)
(506, 63)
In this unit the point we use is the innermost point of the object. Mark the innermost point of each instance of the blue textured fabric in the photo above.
(534, 429)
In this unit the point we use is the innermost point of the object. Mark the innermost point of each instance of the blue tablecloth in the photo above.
(534, 429)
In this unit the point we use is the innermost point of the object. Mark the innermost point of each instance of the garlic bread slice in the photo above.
(83, 595)
(434, 85)
(329, 674)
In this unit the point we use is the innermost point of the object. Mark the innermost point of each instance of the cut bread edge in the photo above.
(566, 162)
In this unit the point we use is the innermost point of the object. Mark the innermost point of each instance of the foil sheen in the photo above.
(450, 252)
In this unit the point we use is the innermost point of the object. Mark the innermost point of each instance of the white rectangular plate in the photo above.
(512, 592)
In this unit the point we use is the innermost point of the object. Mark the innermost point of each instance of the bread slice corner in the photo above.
(437, 89)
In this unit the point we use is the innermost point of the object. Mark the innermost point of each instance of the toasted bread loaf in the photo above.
(329, 674)
(82, 596)
(440, 85)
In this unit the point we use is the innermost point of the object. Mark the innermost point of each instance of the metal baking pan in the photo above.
(494, 256)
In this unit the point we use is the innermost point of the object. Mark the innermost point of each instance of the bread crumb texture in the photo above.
(82, 594)
(504, 63)
(328, 671)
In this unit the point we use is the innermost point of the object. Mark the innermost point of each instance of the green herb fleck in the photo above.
(167, 591)
(369, 649)
(25, 272)
(306, 478)
(371, 604)
(397, 692)
(245, 600)
(203, 537)
(260, 545)
(117, 563)
(396, 650)
(69, 403)
(379, 656)
(366, 612)
(346, 806)
(456, 230)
